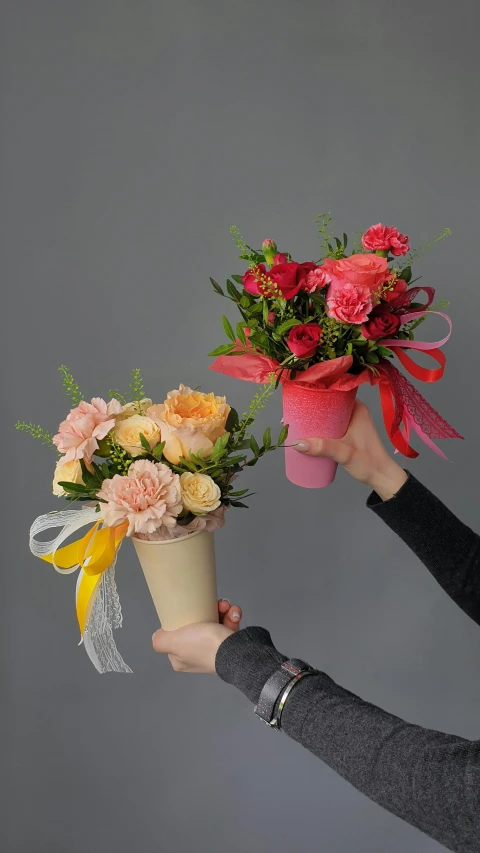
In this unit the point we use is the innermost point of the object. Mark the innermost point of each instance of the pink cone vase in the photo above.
(314, 413)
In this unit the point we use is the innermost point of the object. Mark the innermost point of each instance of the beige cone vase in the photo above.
(181, 577)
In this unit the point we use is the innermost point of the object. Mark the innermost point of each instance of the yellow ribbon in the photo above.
(94, 553)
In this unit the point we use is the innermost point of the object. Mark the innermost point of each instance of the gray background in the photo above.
(133, 135)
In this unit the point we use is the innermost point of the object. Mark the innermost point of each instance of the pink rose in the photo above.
(85, 426)
(365, 270)
(303, 340)
(349, 303)
(399, 288)
(316, 279)
(149, 497)
(386, 239)
(381, 324)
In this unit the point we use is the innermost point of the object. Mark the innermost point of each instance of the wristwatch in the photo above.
(290, 671)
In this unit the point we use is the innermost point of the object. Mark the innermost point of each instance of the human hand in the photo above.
(194, 647)
(361, 453)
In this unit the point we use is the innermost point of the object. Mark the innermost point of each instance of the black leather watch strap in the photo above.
(275, 686)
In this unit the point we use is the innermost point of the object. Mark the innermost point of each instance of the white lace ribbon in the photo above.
(105, 611)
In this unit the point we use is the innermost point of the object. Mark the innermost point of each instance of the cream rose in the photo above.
(127, 434)
(135, 408)
(200, 494)
(190, 421)
(66, 472)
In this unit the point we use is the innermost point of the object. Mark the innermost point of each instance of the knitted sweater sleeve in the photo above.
(428, 778)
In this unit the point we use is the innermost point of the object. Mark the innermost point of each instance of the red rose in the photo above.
(253, 279)
(288, 278)
(280, 259)
(399, 288)
(304, 340)
(380, 324)
(385, 239)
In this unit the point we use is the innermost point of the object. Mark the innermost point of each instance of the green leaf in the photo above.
(238, 494)
(283, 435)
(349, 348)
(232, 420)
(224, 349)
(345, 240)
(254, 445)
(228, 329)
(144, 442)
(265, 311)
(241, 334)
(239, 503)
(158, 450)
(245, 302)
(289, 324)
(384, 351)
(406, 274)
(217, 287)
(231, 461)
(232, 290)
(238, 279)
(78, 488)
(267, 439)
(372, 357)
(186, 463)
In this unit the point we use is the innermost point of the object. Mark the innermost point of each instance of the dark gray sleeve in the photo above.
(448, 548)
(427, 778)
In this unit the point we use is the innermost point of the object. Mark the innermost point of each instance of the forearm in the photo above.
(427, 778)
(448, 548)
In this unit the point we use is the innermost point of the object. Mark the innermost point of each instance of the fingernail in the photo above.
(226, 599)
(301, 446)
(236, 615)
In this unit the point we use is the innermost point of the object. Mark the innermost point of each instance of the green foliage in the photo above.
(415, 254)
(115, 393)
(35, 431)
(72, 389)
(137, 391)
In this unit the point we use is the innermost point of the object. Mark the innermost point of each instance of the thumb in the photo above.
(333, 448)
(161, 641)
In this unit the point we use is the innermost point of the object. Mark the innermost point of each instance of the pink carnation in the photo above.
(85, 426)
(384, 238)
(349, 303)
(316, 279)
(210, 522)
(149, 497)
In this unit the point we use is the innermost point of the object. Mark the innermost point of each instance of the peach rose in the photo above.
(127, 434)
(200, 494)
(364, 270)
(78, 436)
(149, 497)
(66, 472)
(189, 421)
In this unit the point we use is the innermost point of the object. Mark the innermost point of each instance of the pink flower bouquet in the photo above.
(324, 328)
(160, 474)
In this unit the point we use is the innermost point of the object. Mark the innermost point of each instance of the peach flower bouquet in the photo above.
(162, 474)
